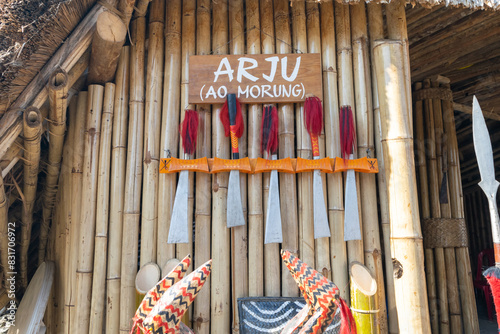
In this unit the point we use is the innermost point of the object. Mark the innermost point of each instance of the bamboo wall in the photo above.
(117, 208)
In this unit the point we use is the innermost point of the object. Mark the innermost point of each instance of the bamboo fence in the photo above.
(148, 106)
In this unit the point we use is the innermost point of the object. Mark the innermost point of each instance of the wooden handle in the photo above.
(231, 103)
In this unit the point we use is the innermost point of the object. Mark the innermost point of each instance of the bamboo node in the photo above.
(444, 232)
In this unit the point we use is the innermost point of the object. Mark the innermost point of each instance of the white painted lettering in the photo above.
(285, 93)
(284, 67)
(278, 93)
(255, 96)
(274, 65)
(265, 90)
(242, 70)
(211, 92)
(224, 92)
(241, 91)
(224, 62)
(296, 91)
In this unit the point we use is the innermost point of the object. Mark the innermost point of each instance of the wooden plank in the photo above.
(255, 78)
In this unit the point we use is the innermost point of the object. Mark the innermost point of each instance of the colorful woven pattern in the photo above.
(168, 311)
(321, 295)
(153, 295)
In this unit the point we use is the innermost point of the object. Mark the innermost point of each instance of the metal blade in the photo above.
(273, 233)
(352, 230)
(179, 231)
(234, 207)
(321, 226)
(484, 155)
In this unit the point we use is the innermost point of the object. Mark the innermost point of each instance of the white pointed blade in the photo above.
(352, 230)
(179, 231)
(234, 207)
(321, 226)
(273, 233)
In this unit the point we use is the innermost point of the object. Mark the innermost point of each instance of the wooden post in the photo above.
(169, 142)
(133, 179)
(239, 247)
(70, 316)
(58, 89)
(88, 207)
(117, 190)
(286, 136)
(32, 127)
(364, 136)
(152, 126)
(255, 198)
(466, 289)
(425, 210)
(221, 265)
(203, 205)
(434, 183)
(376, 28)
(102, 212)
(338, 251)
(406, 235)
(272, 260)
(107, 43)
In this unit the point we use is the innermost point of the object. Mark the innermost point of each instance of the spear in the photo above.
(273, 233)
(232, 119)
(484, 155)
(179, 225)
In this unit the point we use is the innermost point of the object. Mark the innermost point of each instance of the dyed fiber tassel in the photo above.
(189, 131)
(493, 277)
(347, 131)
(313, 115)
(348, 325)
(224, 118)
(269, 130)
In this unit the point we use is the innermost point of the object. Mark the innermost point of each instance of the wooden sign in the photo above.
(264, 78)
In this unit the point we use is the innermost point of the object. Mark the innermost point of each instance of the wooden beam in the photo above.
(35, 93)
(468, 110)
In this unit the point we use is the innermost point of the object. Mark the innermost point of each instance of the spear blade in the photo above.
(484, 155)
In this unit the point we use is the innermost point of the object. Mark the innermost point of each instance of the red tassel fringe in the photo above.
(224, 118)
(313, 115)
(347, 131)
(347, 323)
(493, 277)
(269, 130)
(189, 131)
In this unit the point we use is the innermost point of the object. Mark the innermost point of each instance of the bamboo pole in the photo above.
(466, 290)
(425, 208)
(152, 126)
(117, 188)
(102, 212)
(364, 305)
(220, 299)
(4, 235)
(71, 325)
(286, 136)
(58, 89)
(449, 253)
(338, 251)
(322, 245)
(32, 128)
(133, 177)
(346, 97)
(434, 182)
(201, 312)
(107, 43)
(304, 150)
(364, 136)
(406, 235)
(188, 48)
(255, 194)
(126, 7)
(272, 260)
(376, 29)
(169, 141)
(239, 237)
(88, 207)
